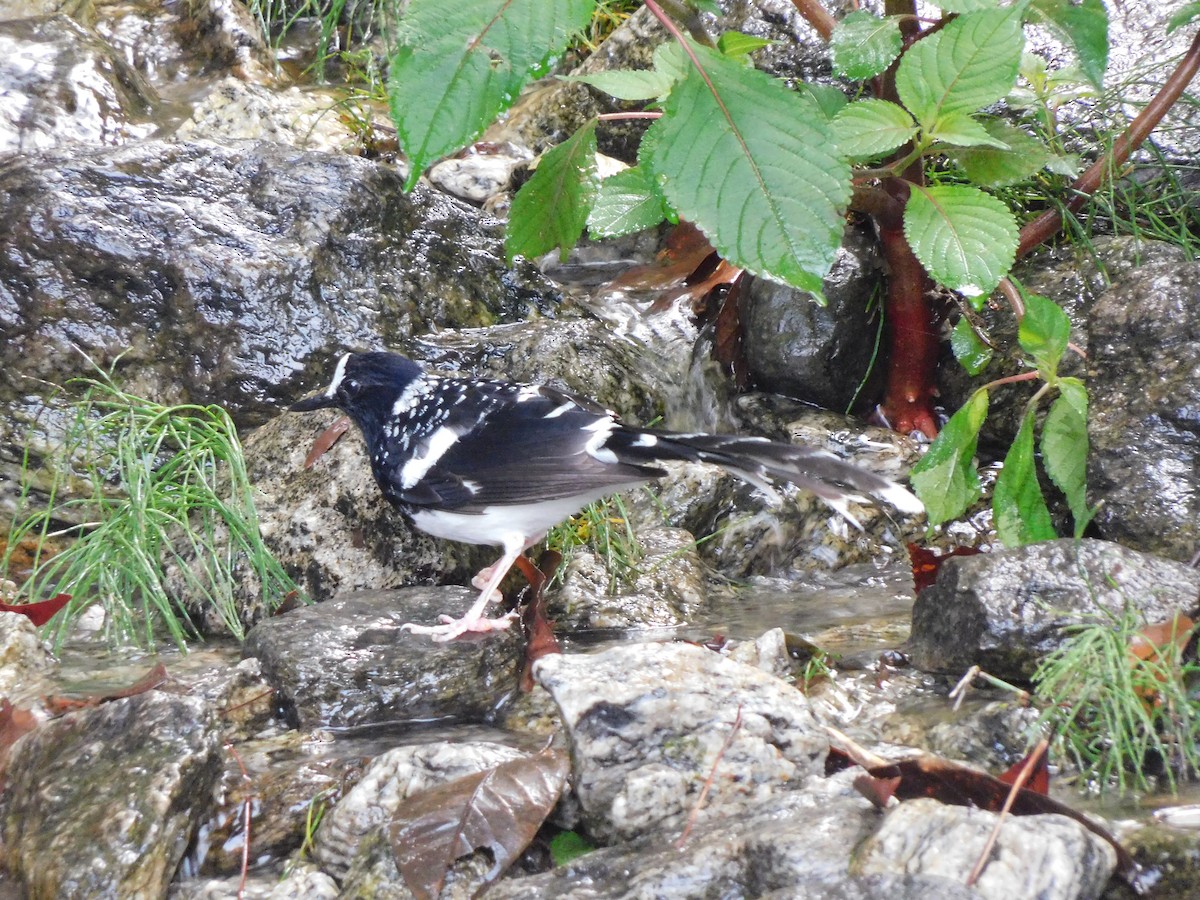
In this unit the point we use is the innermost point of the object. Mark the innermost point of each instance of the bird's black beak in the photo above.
(316, 401)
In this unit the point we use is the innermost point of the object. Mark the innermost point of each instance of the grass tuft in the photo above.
(158, 487)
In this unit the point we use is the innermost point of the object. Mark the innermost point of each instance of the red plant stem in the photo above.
(1018, 783)
(1048, 223)
(611, 117)
(816, 15)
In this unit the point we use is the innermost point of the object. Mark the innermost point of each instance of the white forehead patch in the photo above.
(338, 374)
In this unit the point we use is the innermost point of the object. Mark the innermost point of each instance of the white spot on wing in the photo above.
(528, 392)
(559, 410)
(435, 447)
(645, 440)
(602, 429)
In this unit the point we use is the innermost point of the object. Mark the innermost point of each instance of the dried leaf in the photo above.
(148, 682)
(14, 722)
(326, 439)
(38, 613)
(500, 809)
(926, 563)
(728, 347)
(539, 631)
(1038, 780)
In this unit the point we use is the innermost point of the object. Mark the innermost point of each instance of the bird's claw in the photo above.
(452, 628)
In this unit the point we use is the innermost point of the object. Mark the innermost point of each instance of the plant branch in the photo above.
(1047, 225)
(816, 15)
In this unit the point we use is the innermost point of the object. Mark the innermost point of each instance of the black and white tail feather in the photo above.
(499, 463)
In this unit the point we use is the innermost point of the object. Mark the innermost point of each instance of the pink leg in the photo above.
(473, 621)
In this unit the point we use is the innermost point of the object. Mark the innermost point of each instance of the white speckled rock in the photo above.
(646, 723)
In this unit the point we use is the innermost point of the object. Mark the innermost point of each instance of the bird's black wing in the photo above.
(522, 444)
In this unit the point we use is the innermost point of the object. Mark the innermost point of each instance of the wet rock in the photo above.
(237, 111)
(285, 800)
(239, 694)
(224, 273)
(391, 778)
(819, 354)
(481, 171)
(743, 532)
(60, 84)
(1072, 279)
(994, 736)
(1005, 610)
(27, 667)
(302, 880)
(346, 662)
(795, 845)
(103, 802)
(1144, 410)
(1034, 856)
(646, 722)
(79, 10)
(663, 586)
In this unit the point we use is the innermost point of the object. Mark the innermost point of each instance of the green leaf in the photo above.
(972, 353)
(628, 84)
(1084, 25)
(551, 208)
(754, 166)
(962, 6)
(1043, 333)
(567, 846)
(627, 203)
(1186, 16)
(963, 130)
(945, 479)
(993, 167)
(964, 238)
(457, 65)
(864, 45)
(1018, 507)
(671, 61)
(828, 99)
(870, 128)
(969, 64)
(1065, 446)
(736, 45)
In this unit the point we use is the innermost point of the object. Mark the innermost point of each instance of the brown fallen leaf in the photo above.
(926, 563)
(148, 682)
(500, 809)
(326, 439)
(539, 630)
(38, 613)
(14, 722)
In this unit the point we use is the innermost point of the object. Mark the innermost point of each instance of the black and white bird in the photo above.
(500, 463)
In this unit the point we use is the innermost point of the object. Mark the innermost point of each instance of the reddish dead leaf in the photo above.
(727, 342)
(878, 790)
(686, 249)
(291, 600)
(951, 783)
(327, 439)
(1038, 779)
(1159, 645)
(926, 563)
(14, 722)
(539, 630)
(38, 613)
(500, 809)
(148, 682)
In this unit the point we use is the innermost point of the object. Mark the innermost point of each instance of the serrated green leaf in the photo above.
(1043, 333)
(971, 353)
(992, 167)
(736, 45)
(551, 208)
(1018, 507)
(627, 203)
(828, 99)
(870, 128)
(1065, 446)
(864, 45)
(708, 6)
(1068, 165)
(671, 61)
(754, 166)
(457, 65)
(962, 6)
(970, 63)
(946, 479)
(963, 130)
(1083, 25)
(1186, 16)
(966, 239)
(627, 84)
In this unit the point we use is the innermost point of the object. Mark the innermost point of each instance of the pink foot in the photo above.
(451, 628)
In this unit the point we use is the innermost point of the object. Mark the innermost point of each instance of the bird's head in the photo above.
(365, 385)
